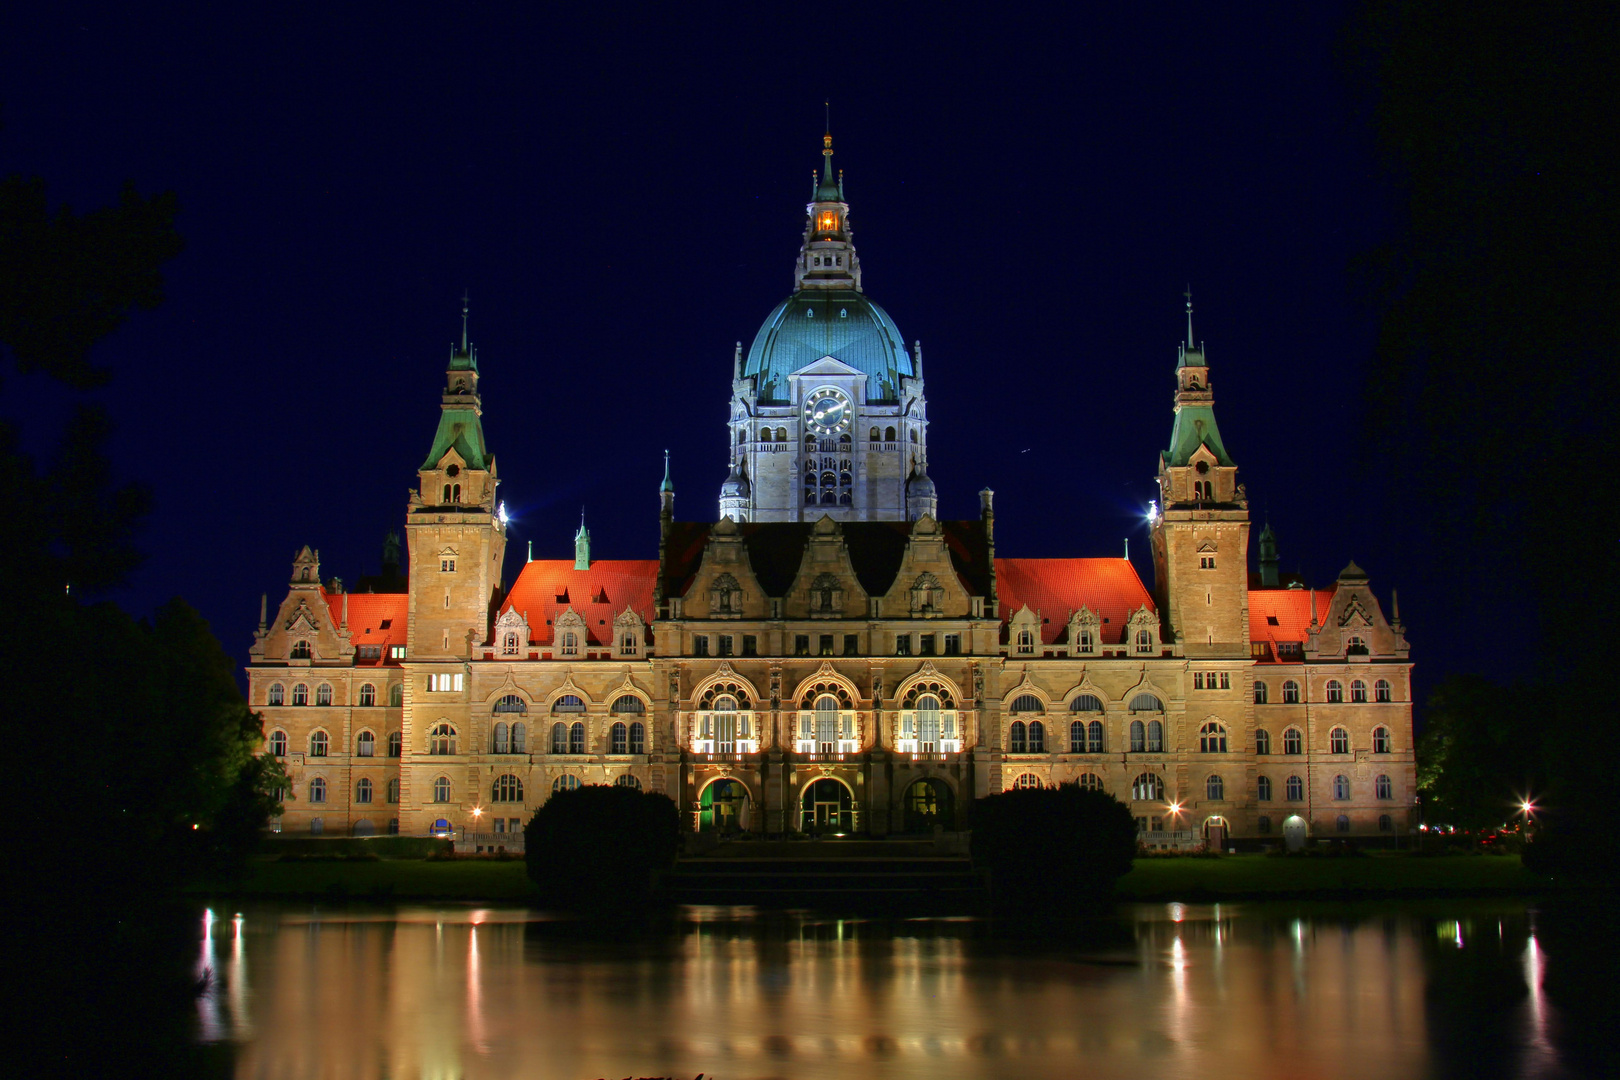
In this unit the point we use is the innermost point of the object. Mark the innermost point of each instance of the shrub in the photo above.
(1050, 850)
(598, 848)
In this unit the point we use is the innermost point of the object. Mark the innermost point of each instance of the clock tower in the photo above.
(828, 414)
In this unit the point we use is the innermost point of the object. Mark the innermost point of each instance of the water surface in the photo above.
(1165, 990)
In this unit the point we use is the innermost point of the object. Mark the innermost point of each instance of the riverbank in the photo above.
(1229, 877)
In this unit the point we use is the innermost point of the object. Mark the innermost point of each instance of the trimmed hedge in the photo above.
(599, 848)
(1050, 850)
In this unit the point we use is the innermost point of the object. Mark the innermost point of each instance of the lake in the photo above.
(1438, 988)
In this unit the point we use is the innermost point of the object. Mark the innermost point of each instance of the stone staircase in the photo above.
(874, 876)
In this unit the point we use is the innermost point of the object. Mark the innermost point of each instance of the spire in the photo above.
(668, 484)
(264, 611)
(666, 495)
(465, 298)
(531, 552)
(1268, 558)
(460, 426)
(1195, 405)
(1188, 295)
(582, 544)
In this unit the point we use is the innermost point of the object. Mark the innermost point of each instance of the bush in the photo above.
(1050, 850)
(598, 848)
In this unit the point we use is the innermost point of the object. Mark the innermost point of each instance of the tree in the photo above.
(1479, 753)
(1052, 852)
(598, 848)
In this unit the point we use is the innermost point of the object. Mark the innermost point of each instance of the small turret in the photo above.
(666, 493)
(582, 544)
(921, 497)
(1268, 559)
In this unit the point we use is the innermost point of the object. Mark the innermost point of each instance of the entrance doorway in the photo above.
(928, 803)
(1294, 832)
(724, 807)
(1215, 834)
(827, 808)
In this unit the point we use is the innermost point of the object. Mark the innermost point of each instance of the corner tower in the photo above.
(455, 532)
(1201, 524)
(828, 414)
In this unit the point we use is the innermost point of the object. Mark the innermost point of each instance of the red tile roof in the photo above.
(1054, 587)
(1291, 608)
(547, 587)
(367, 614)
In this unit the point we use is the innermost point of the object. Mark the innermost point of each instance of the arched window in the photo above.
(300, 694)
(1290, 692)
(1017, 738)
(888, 434)
(781, 434)
(1380, 740)
(1383, 787)
(1026, 703)
(1138, 737)
(576, 737)
(1341, 787)
(319, 743)
(502, 740)
(1086, 703)
(511, 643)
(1293, 741)
(362, 790)
(568, 703)
(278, 743)
(1214, 788)
(511, 703)
(638, 737)
(826, 724)
(323, 694)
(875, 435)
(1026, 641)
(1263, 825)
(1155, 737)
(1259, 693)
(1144, 641)
(627, 780)
(396, 744)
(914, 435)
(1386, 823)
(317, 790)
(1262, 741)
(631, 705)
(1335, 692)
(1356, 646)
(277, 694)
(1094, 737)
(928, 724)
(565, 782)
(1090, 782)
(396, 695)
(442, 739)
(508, 788)
(1037, 737)
(1381, 692)
(1358, 692)
(1338, 741)
(559, 738)
(1262, 791)
(365, 745)
(441, 789)
(1294, 789)
(1146, 703)
(1212, 738)
(1147, 788)
(1027, 780)
(1342, 823)
(393, 790)
(570, 643)
(619, 738)
(300, 650)
(520, 737)
(1077, 736)
(368, 695)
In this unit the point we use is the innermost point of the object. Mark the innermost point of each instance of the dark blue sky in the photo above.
(623, 194)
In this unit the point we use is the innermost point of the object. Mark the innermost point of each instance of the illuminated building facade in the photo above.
(828, 655)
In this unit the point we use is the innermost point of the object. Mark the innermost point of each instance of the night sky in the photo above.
(623, 194)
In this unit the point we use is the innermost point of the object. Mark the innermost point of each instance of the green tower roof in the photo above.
(841, 323)
(462, 430)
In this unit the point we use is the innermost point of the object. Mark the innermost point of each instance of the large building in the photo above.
(827, 655)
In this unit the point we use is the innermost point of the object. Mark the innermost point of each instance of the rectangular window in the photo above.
(500, 825)
(444, 684)
(1226, 680)
(1158, 824)
(852, 644)
(1206, 562)
(801, 644)
(447, 565)
(1198, 680)
(396, 652)
(700, 645)
(953, 644)
(750, 645)
(370, 652)
(925, 644)
(725, 645)
(902, 645)
(825, 643)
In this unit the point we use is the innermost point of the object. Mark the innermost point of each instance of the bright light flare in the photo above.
(478, 811)
(1175, 808)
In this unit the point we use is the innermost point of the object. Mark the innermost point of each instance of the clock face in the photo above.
(827, 411)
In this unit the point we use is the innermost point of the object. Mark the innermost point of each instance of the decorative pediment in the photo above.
(827, 365)
(628, 620)
(724, 527)
(508, 686)
(827, 679)
(927, 680)
(1026, 685)
(926, 526)
(1206, 548)
(1355, 614)
(303, 619)
(568, 687)
(826, 526)
(927, 595)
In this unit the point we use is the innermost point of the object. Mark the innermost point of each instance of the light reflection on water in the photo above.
(1174, 990)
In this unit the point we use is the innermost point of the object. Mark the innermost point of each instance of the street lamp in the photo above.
(478, 812)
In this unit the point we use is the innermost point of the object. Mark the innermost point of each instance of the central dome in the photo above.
(813, 323)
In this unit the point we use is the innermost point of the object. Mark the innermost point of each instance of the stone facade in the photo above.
(852, 666)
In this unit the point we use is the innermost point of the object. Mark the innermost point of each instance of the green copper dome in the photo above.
(840, 323)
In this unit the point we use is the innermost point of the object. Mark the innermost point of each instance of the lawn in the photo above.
(1260, 875)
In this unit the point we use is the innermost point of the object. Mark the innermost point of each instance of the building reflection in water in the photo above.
(1182, 990)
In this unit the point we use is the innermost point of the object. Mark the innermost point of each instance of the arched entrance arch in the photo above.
(1294, 832)
(725, 807)
(1215, 833)
(928, 803)
(827, 806)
